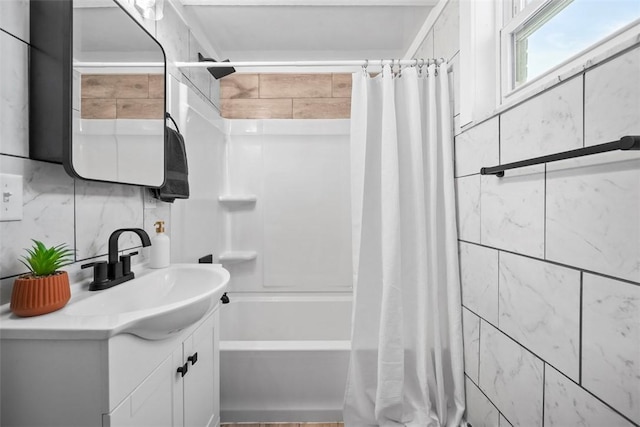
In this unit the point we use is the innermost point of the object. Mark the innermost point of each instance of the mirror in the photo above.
(118, 98)
(96, 92)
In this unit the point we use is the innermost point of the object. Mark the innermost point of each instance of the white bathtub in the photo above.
(284, 358)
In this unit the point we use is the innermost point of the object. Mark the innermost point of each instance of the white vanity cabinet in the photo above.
(182, 391)
(120, 381)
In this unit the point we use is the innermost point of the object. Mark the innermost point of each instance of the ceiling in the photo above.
(287, 30)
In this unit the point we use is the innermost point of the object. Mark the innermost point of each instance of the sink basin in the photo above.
(154, 305)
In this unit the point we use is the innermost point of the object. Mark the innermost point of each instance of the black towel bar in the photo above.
(625, 143)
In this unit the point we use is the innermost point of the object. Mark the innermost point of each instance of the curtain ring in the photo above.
(364, 67)
(382, 67)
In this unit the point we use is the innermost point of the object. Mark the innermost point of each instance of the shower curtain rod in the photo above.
(338, 63)
(210, 64)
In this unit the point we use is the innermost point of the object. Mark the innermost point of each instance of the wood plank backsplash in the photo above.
(122, 96)
(286, 96)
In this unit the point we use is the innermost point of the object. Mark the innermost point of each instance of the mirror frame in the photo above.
(51, 80)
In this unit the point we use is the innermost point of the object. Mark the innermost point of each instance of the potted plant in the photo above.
(44, 289)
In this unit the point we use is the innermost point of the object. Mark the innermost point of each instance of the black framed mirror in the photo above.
(97, 92)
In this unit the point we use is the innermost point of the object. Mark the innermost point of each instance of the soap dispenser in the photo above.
(160, 247)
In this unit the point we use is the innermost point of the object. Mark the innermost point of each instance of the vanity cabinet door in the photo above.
(199, 383)
(156, 402)
(182, 392)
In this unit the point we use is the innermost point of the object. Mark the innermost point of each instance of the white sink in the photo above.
(154, 305)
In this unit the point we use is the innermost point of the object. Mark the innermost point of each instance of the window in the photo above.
(542, 35)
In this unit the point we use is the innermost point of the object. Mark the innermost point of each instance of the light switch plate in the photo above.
(10, 197)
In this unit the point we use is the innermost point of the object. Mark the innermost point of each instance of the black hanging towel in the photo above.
(176, 184)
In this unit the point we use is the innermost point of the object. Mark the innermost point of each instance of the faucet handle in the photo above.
(126, 262)
(99, 272)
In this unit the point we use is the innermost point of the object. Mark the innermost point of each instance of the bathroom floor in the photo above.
(285, 425)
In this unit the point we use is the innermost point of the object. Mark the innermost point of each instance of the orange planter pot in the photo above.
(35, 296)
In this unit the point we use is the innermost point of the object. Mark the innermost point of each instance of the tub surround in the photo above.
(291, 368)
(299, 228)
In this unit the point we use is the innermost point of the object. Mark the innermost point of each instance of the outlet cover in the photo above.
(10, 197)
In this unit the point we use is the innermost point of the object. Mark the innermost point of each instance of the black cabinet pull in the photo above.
(193, 359)
(183, 369)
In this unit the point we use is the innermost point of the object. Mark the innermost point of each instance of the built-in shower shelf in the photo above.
(237, 199)
(232, 257)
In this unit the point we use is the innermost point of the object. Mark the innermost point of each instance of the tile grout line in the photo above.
(584, 108)
(498, 282)
(544, 223)
(485, 395)
(2, 30)
(544, 387)
(551, 365)
(580, 302)
(571, 267)
(479, 338)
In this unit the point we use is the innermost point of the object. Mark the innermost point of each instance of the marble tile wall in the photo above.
(57, 208)
(480, 410)
(477, 148)
(553, 338)
(511, 377)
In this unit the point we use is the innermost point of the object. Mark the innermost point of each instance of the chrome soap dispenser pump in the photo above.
(160, 248)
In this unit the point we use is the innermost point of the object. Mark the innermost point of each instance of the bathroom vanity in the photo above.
(132, 362)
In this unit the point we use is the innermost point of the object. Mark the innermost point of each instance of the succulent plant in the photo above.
(43, 261)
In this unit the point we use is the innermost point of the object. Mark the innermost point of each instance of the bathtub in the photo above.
(284, 358)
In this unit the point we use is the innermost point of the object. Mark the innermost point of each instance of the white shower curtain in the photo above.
(406, 366)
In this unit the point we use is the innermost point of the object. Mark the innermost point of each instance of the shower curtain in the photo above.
(406, 366)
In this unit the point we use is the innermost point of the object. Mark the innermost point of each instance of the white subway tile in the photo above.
(566, 404)
(511, 377)
(611, 343)
(477, 147)
(540, 308)
(480, 411)
(479, 280)
(546, 124)
(612, 99)
(513, 211)
(14, 96)
(593, 213)
(468, 208)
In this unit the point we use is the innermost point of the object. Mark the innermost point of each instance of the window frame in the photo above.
(514, 22)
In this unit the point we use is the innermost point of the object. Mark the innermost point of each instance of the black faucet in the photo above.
(114, 272)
